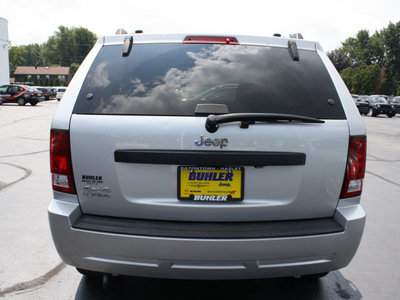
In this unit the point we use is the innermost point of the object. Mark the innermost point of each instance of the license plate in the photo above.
(211, 184)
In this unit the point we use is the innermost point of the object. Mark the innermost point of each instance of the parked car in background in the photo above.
(48, 92)
(363, 107)
(60, 92)
(396, 102)
(20, 94)
(379, 105)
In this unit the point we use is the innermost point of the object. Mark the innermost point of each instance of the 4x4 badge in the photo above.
(211, 142)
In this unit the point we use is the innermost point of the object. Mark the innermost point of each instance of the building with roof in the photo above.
(42, 75)
(4, 62)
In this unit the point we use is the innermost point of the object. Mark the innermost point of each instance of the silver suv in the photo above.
(207, 157)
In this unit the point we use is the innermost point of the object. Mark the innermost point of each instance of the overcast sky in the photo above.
(328, 22)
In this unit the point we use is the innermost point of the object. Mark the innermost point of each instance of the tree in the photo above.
(365, 79)
(33, 55)
(339, 59)
(391, 44)
(347, 76)
(16, 57)
(50, 53)
(68, 46)
(381, 49)
(84, 41)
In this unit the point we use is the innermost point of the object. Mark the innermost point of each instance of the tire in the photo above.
(92, 274)
(33, 102)
(1, 101)
(314, 276)
(371, 113)
(21, 102)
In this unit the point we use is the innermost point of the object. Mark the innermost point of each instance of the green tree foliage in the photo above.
(16, 57)
(33, 55)
(73, 68)
(374, 61)
(347, 76)
(67, 47)
(339, 59)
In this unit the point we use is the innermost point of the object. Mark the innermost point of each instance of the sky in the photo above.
(327, 22)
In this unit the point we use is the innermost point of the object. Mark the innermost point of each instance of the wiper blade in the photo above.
(245, 119)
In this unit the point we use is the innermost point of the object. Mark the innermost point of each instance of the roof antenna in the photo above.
(121, 31)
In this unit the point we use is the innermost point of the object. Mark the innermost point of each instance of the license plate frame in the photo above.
(210, 184)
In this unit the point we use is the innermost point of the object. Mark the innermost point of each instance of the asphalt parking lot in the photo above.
(30, 267)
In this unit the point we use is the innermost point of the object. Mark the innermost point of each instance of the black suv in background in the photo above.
(378, 105)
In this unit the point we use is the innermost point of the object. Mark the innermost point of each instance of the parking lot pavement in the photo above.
(27, 251)
(30, 267)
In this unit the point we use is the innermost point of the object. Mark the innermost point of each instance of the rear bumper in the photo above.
(204, 258)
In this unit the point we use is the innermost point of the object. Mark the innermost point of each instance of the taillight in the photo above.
(60, 162)
(196, 39)
(355, 168)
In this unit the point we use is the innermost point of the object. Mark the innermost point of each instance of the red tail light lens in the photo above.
(60, 162)
(196, 39)
(355, 169)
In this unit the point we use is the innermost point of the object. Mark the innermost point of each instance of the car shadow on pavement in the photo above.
(332, 286)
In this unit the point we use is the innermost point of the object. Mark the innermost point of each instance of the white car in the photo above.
(60, 92)
(262, 180)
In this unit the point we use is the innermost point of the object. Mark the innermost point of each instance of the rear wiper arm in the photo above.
(246, 119)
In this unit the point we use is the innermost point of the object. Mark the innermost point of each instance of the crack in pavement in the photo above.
(375, 158)
(22, 286)
(34, 139)
(383, 178)
(25, 119)
(23, 154)
(27, 174)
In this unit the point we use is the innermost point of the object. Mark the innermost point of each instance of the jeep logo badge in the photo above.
(211, 142)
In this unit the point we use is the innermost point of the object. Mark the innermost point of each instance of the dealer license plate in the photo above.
(213, 184)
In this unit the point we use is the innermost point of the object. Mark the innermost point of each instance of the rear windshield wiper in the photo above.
(246, 119)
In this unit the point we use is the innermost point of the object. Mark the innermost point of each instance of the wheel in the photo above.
(1, 101)
(21, 102)
(33, 102)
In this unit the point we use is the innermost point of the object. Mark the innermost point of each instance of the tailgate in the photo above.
(289, 170)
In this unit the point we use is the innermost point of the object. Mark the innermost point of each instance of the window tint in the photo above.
(171, 79)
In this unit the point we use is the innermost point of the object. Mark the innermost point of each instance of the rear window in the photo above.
(172, 79)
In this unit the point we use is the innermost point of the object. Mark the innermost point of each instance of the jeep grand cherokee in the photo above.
(207, 157)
